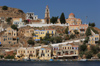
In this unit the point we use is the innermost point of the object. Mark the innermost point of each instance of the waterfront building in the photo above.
(9, 37)
(93, 38)
(45, 53)
(26, 53)
(42, 33)
(65, 51)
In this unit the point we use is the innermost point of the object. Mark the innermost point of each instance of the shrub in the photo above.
(4, 8)
(31, 42)
(98, 55)
(88, 54)
(9, 57)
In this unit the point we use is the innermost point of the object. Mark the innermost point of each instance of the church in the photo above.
(71, 20)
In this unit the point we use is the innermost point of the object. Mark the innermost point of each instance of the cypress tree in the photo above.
(62, 18)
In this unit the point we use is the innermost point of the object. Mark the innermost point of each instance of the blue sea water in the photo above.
(59, 63)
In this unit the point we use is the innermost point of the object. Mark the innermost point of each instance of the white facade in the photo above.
(16, 21)
(31, 16)
(21, 24)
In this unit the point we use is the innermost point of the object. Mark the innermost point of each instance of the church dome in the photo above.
(71, 15)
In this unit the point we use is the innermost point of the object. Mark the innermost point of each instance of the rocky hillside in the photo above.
(12, 12)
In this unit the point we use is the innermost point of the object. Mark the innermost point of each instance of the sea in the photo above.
(52, 63)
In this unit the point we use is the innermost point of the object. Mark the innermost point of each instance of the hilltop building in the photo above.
(71, 20)
(47, 15)
(31, 16)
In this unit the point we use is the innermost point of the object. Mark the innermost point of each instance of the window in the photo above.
(65, 47)
(47, 31)
(48, 54)
(33, 51)
(68, 47)
(52, 32)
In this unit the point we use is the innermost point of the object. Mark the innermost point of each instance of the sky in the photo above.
(81, 8)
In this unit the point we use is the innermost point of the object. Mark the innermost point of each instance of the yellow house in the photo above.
(45, 53)
(93, 38)
(26, 53)
(73, 27)
(42, 33)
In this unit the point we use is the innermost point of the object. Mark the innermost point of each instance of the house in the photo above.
(66, 51)
(26, 53)
(72, 28)
(83, 28)
(42, 33)
(93, 38)
(45, 53)
(9, 37)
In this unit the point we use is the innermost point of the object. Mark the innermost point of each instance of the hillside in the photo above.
(12, 12)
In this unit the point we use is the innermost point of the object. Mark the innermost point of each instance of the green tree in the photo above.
(86, 40)
(9, 57)
(89, 54)
(54, 20)
(98, 55)
(83, 47)
(62, 18)
(92, 24)
(76, 32)
(72, 36)
(14, 27)
(66, 30)
(88, 32)
(1, 56)
(33, 34)
(8, 20)
(94, 49)
(4, 8)
(31, 42)
(58, 39)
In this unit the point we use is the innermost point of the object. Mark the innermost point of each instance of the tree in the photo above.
(54, 20)
(88, 32)
(98, 55)
(31, 42)
(33, 34)
(88, 54)
(4, 8)
(76, 32)
(92, 24)
(1, 56)
(58, 39)
(82, 47)
(72, 36)
(9, 57)
(8, 20)
(86, 40)
(66, 30)
(62, 19)
(26, 21)
(94, 49)
(14, 27)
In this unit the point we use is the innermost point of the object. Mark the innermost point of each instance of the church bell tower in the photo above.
(47, 15)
